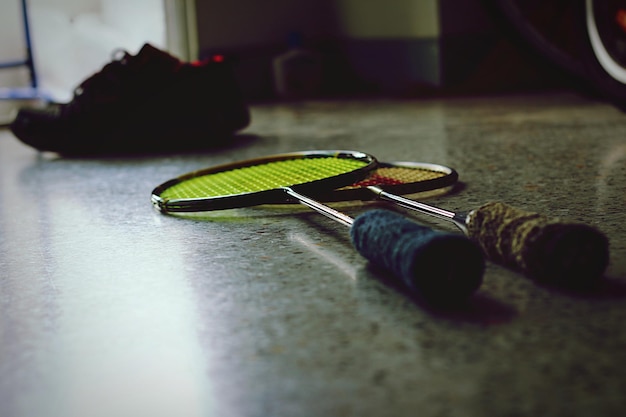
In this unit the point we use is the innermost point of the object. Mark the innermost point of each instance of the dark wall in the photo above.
(469, 55)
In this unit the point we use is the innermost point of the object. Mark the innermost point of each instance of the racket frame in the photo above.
(277, 195)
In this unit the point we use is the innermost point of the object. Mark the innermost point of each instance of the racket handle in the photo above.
(439, 267)
(552, 251)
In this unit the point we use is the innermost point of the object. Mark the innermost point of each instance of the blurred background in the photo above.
(402, 48)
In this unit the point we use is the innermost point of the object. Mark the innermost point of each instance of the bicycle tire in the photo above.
(524, 22)
(580, 51)
(605, 64)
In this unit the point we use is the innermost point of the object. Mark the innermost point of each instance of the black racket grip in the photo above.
(550, 250)
(438, 267)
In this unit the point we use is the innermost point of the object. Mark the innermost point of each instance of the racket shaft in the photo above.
(320, 208)
(457, 219)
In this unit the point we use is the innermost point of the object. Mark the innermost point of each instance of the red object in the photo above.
(620, 18)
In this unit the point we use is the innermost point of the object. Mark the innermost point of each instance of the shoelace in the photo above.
(105, 83)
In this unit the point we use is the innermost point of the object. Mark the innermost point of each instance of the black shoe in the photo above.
(147, 103)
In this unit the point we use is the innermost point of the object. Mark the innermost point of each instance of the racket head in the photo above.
(400, 177)
(262, 180)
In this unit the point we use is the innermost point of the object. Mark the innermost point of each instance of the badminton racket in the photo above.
(439, 267)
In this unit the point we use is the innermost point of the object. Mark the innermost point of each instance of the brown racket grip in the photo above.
(553, 251)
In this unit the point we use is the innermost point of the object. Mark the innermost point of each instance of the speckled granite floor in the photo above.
(108, 308)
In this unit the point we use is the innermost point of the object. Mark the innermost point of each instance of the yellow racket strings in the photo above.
(262, 177)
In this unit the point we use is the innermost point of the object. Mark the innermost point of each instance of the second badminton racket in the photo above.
(551, 250)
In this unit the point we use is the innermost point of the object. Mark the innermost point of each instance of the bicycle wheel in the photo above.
(605, 47)
(546, 27)
(583, 38)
